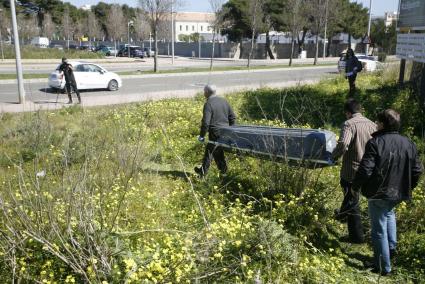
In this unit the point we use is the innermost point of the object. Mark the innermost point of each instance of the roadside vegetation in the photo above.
(30, 52)
(107, 195)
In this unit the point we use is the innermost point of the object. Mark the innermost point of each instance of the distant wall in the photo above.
(230, 50)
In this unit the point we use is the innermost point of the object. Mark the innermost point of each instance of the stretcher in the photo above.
(308, 147)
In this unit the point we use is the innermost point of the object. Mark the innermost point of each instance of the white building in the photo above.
(187, 23)
(390, 18)
(86, 7)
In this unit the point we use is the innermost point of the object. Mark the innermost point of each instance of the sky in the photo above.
(379, 7)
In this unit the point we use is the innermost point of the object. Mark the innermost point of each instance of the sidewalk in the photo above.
(51, 105)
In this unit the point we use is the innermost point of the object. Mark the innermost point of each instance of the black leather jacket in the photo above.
(390, 167)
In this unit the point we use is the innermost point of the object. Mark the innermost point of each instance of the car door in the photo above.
(96, 75)
(80, 78)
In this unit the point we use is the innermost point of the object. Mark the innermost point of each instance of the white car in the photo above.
(370, 64)
(88, 76)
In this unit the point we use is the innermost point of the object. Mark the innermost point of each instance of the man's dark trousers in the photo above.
(351, 209)
(352, 83)
(72, 85)
(216, 152)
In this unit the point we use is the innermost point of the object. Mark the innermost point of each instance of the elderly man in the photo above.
(389, 171)
(217, 112)
(355, 133)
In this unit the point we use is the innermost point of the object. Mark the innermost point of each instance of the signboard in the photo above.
(412, 15)
(411, 47)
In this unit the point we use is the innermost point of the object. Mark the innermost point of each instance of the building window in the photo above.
(187, 27)
(209, 28)
(193, 28)
(181, 27)
(202, 28)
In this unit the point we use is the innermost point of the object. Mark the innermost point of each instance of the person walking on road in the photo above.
(389, 171)
(355, 132)
(352, 67)
(217, 112)
(70, 83)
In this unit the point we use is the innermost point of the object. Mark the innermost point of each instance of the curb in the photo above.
(135, 98)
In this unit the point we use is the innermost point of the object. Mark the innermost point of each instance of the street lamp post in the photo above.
(326, 29)
(172, 32)
(17, 53)
(368, 28)
(130, 23)
(1, 39)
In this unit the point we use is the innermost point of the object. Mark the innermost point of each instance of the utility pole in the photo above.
(368, 28)
(326, 29)
(1, 39)
(17, 53)
(128, 34)
(172, 32)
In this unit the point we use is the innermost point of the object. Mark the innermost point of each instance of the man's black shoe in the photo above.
(199, 171)
(383, 273)
(347, 239)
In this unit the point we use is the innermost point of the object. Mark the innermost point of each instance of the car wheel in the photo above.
(113, 85)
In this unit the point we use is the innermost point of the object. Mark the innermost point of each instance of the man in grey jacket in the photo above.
(217, 112)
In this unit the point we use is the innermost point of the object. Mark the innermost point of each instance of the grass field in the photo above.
(108, 195)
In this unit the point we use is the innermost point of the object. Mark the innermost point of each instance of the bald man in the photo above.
(217, 112)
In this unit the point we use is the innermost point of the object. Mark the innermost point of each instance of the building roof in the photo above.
(194, 17)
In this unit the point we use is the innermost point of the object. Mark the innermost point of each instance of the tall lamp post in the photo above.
(326, 29)
(17, 53)
(172, 32)
(130, 23)
(368, 27)
(1, 39)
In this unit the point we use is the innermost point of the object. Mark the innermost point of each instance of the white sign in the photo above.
(411, 47)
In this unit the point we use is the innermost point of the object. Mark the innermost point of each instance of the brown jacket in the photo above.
(355, 132)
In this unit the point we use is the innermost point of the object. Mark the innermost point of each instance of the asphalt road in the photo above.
(146, 64)
(39, 92)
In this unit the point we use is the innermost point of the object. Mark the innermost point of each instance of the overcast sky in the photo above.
(379, 7)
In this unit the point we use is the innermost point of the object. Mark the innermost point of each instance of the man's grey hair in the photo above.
(210, 89)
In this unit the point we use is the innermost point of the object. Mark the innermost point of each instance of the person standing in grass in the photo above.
(355, 132)
(217, 112)
(70, 83)
(389, 171)
(352, 67)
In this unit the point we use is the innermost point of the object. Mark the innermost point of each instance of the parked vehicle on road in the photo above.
(108, 51)
(88, 76)
(135, 51)
(149, 52)
(56, 46)
(42, 42)
(370, 64)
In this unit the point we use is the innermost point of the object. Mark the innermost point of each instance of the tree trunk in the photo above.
(349, 40)
(268, 47)
(328, 47)
(301, 41)
(212, 51)
(241, 47)
(155, 38)
(292, 49)
(316, 53)
(252, 48)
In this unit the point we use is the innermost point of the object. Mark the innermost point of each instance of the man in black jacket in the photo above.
(352, 67)
(389, 171)
(217, 112)
(70, 82)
